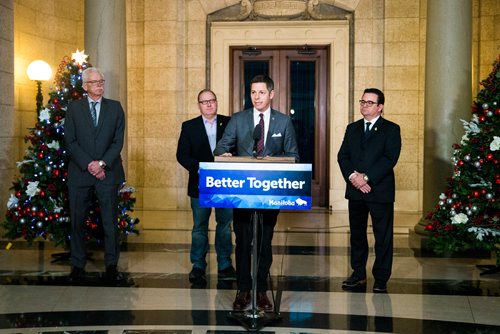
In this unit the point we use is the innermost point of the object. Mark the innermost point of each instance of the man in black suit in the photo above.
(196, 144)
(94, 131)
(276, 139)
(367, 157)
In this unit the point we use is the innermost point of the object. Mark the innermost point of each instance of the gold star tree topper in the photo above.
(79, 56)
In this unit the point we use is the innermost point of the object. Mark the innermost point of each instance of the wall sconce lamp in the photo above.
(39, 71)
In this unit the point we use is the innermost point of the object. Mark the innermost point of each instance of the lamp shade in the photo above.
(39, 70)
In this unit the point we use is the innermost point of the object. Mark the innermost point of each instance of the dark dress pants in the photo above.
(243, 230)
(79, 201)
(382, 215)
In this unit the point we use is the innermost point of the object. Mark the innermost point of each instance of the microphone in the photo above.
(256, 138)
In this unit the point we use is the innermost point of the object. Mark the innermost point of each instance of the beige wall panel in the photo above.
(136, 148)
(135, 100)
(397, 102)
(401, 8)
(160, 32)
(159, 198)
(160, 78)
(159, 102)
(367, 77)
(159, 56)
(407, 175)
(369, 54)
(135, 33)
(402, 54)
(408, 200)
(401, 78)
(161, 10)
(402, 30)
(135, 126)
(159, 149)
(160, 174)
(135, 56)
(135, 10)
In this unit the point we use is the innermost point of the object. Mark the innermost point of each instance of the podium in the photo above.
(255, 183)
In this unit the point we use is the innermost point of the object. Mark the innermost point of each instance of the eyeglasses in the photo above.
(366, 103)
(96, 82)
(205, 102)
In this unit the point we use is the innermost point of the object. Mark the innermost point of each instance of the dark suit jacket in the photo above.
(238, 135)
(193, 147)
(86, 143)
(376, 155)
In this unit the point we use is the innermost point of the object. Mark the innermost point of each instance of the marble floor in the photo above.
(311, 258)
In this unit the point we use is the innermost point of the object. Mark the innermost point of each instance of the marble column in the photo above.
(106, 45)
(9, 137)
(448, 91)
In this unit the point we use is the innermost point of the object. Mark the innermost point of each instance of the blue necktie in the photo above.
(93, 113)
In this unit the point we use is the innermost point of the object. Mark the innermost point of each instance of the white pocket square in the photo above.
(276, 134)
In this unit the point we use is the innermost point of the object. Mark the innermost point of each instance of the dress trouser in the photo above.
(79, 201)
(382, 215)
(243, 230)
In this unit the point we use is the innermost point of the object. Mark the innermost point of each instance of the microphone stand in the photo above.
(253, 319)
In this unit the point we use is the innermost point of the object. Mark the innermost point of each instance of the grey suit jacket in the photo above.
(238, 135)
(86, 143)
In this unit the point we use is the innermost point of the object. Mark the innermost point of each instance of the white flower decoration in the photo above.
(460, 218)
(495, 144)
(442, 196)
(32, 189)
(54, 145)
(12, 202)
(44, 115)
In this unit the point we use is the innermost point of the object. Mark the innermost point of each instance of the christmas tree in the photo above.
(467, 214)
(38, 206)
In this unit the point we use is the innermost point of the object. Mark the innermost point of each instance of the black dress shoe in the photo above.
(196, 275)
(242, 301)
(380, 287)
(353, 282)
(77, 275)
(263, 303)
(227, 274)
(112, 275)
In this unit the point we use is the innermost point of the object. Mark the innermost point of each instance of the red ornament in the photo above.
(18, 194)
(475, 193)
(40, 155)
(489, 156)
(460, 163)
(429, 227)
(42, 193)
(497, 111)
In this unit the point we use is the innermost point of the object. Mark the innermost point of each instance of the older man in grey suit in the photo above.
(275, 136)
(94, 131)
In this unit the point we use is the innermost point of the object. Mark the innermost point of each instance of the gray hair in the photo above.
(86, 73)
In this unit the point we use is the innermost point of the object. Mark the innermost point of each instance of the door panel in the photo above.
(301, 92)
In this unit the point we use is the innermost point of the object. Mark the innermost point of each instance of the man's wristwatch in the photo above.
(102, 164)
(365, 177)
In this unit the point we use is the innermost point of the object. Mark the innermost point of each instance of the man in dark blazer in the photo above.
(367, 157)
(276, 138)
(196, 144)
(94, 131)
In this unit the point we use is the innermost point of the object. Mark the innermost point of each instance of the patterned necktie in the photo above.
(93, 113)
(367, 129)
(260, 143)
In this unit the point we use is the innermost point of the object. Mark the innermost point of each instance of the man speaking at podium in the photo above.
(259, 132)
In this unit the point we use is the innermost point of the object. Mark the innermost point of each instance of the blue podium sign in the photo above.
(255, 185)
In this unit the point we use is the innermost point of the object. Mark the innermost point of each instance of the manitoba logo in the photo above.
(300, 202)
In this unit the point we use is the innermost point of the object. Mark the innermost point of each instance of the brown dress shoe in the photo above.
(242, 301)
(263, 302)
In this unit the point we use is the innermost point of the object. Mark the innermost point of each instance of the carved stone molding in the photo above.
(257, 10)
